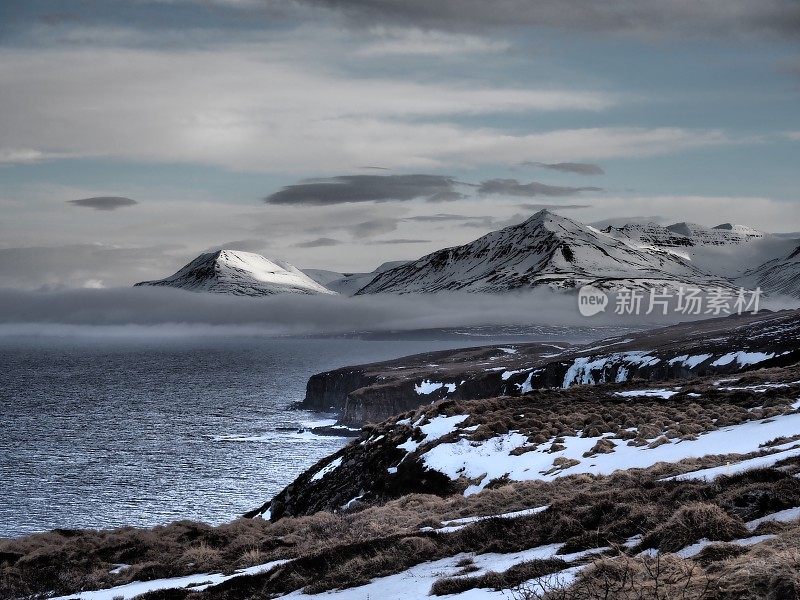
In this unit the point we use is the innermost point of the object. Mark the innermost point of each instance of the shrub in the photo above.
(694, 521)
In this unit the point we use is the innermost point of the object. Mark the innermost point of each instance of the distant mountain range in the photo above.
(546, 250)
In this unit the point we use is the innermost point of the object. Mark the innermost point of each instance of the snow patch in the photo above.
(329, 468)
(654, 393)
(742, 358)
(426, 387)
(196, 583)
(491, 459)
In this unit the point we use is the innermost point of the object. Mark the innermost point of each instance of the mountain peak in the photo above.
(546, 250)
(740, 229)
(240, 273)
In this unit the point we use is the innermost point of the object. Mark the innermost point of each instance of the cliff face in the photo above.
(479, 417)
(373, 393)
(328, 391)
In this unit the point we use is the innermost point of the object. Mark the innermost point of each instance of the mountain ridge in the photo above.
(547, 249)
(241, 274)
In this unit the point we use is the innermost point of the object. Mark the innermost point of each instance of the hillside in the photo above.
(780, 276)
(576, 494)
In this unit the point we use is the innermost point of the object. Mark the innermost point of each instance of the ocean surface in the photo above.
(105, 432)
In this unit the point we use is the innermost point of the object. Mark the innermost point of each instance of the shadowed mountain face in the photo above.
(546, 250)
(242, 274)
(780, 276)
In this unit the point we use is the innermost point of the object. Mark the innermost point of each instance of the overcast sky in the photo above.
(343, 133)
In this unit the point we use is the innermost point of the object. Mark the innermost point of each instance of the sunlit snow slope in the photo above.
(241, 274)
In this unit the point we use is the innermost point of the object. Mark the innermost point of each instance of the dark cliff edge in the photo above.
(374, 392)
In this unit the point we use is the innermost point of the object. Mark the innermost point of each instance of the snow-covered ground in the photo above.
(197, 582)
(493, 458)
(456, 524)
(416, 582)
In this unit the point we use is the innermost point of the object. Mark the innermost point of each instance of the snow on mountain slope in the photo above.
(241, 274)
(727, 250)
(323, 276)
(350, 283)
(721, 234)
(547, 249)
(777, 277)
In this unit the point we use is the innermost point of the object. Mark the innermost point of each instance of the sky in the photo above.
(339, 134)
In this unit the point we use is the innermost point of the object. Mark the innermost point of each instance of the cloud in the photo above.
(538, 207)
(793, 135)
(246, 245)
(104, 202)
(568, 167)
(282, 314)
(621, 221)
(373, 227)
(76, 265)
(367, 188)
(639, 17)
(318, 243)
(255, 107)
(398, 241)
(252, 105)
(440, 217)
(23, 156)
(160, 312)
(401, 41)
(512, 187)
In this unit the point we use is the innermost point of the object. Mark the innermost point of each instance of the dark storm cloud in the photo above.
(318, 243)
(512, 187)
(649, 17)
(367, 188)
(568, 167)
(104, 202)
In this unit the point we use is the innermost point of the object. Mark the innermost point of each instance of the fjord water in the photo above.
(135, 431)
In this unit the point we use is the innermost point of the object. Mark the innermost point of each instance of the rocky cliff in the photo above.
(373, 393)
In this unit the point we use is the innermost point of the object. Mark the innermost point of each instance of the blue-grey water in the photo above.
(110, 432)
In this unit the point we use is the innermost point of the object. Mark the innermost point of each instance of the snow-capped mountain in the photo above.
(241, 274)
(780, 276)
(727, 250)
(547, 249)
(727, 233)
